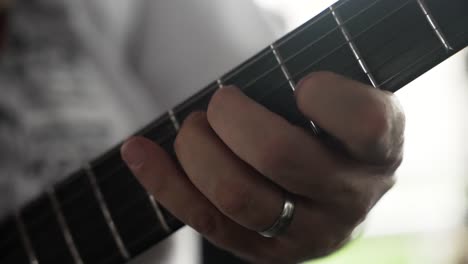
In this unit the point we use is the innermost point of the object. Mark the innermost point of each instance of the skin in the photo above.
(238, 159)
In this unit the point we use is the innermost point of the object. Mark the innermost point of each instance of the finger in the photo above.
(367, 120)
(160, 176)
(275, 148)
(230, 184)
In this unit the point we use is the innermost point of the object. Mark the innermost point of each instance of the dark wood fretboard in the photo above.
(101, 214)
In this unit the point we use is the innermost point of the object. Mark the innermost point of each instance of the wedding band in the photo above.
(283, 220)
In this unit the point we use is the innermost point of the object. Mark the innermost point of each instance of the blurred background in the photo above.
(421, 220)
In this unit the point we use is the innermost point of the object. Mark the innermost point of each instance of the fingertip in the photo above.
(133, 152)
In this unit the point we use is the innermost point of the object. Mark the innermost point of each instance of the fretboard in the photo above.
(101, 214)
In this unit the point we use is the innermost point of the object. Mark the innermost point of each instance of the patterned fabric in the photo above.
(53, 106)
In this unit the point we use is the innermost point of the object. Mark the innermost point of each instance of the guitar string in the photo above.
(164, 140)
(270, 91)
(288, 59)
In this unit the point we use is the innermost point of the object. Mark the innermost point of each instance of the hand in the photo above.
(238, 159)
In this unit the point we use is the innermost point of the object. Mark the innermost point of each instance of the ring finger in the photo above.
(234, 187)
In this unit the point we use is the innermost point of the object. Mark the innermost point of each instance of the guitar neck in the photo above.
(101, 214)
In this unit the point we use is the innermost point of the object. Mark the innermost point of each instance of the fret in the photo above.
(262, 79)
(397, 34)
(352, 46)
(110, 223)
(12, 250)
(64, 227)
(163, 131)
(160, 215)
(434, 25)
(174, 120)
(291, 83)
(85, 221)
(451, 17)
(198, 102)
(258, 76)
(45, 233)
(321, 47)
(25, 239)
(285, 71)
(220, 84)
(129, 204)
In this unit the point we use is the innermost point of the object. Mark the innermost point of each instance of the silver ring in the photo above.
(283, 220)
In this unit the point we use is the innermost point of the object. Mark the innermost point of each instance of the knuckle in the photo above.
(312, 81)
(273, 155)
(190, 126)
(376, 121)
(316, 79)
(234, 202)
(218, 100)
(382, 128)
(355, 203)
(204, 222)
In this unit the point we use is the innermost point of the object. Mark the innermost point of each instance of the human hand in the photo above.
(239, 159)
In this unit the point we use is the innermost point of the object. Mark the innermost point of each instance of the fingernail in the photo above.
(133, 153)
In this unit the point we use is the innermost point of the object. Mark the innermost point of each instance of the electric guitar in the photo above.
(101, 214)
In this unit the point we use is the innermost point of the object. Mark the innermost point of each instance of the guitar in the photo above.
(101, 214)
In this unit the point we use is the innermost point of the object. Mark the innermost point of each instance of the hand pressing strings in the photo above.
(239, 160)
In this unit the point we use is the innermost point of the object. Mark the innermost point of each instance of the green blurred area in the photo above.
(381, 250)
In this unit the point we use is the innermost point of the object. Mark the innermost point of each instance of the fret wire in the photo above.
(64, 227)
(352, 38)
(353, 46)
(174, 120)
(105, 211)
(281, 42)
(345, 23)
(300, 30)
(286, 73)
(229, 75)
(159, 214)
(434, 25)
(25, 239)
(196, 97)
(330, 53)
(220, 84)
(333, 51)
(122, 165)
